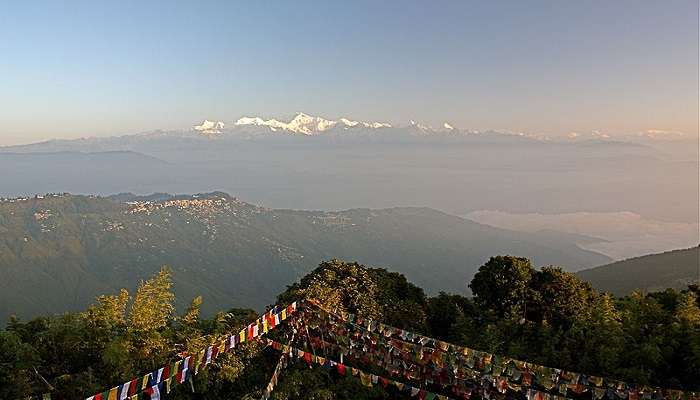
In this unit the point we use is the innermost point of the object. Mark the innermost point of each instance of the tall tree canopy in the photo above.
(545, 315)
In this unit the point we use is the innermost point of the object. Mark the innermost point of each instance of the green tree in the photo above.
(191, 317)
(109, 313)
(17, 359)
(448, 315)
(502, 284)
(151, 312)
(688, 338)
(559, 298)
(644, 326)
(688, 311)
(153, 304)
(367, 292)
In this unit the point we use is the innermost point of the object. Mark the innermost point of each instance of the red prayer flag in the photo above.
(132, 387)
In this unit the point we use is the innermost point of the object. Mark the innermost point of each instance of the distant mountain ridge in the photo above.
(58, 252)
(304, 124)
(313, 128)
(672, 269)
(348, 163)
(318, 129)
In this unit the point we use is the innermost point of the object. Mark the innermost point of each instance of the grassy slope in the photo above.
(234, 254)
(672, 269)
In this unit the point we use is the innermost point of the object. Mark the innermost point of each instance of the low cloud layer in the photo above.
(625, 234)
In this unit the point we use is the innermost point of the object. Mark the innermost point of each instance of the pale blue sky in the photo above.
(70, 69)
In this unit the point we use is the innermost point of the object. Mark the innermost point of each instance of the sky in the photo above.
(95, 68)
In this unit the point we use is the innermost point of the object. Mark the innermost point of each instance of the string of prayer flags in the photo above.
(399, 367)
(544, 376)
(281, 364)
(419, 359)
(154, 383)
(367, 379)
(402, 360)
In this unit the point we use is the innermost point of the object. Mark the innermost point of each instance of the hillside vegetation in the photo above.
(57, 253)
(546, 316)
(672, 269)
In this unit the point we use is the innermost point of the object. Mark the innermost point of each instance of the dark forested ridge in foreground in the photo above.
(672, 269)
(58, 252)
(548, 317)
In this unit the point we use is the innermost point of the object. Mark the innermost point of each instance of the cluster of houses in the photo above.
(36, 197)
(194, 205)
(202, 210)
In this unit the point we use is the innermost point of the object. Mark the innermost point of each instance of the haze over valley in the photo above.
(637, 194)
(60, 251)
(350, 200)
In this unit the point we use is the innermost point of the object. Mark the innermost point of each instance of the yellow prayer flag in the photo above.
(112, 394)
(365, 379)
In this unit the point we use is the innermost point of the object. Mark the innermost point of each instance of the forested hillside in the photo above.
(672, 269)
(547, 317)
(58, 252)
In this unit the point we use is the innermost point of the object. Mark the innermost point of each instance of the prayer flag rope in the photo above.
(397, 362)
(410, 361)
(275, 375)
(492, 364)
(400, 362)
(367, 379)
(502, 373)
(161, 381)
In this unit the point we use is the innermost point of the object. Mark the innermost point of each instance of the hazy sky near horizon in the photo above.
(86, 68)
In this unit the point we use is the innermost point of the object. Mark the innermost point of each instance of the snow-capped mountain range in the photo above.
(209, 127)
(310, 125)
(307, 124)
(302, 124)
(318, 163)
(304, 129)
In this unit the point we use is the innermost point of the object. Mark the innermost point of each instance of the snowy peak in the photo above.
(446, 127)
(348, 123)
(273, 124)
(209, 128)
(307, 124)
